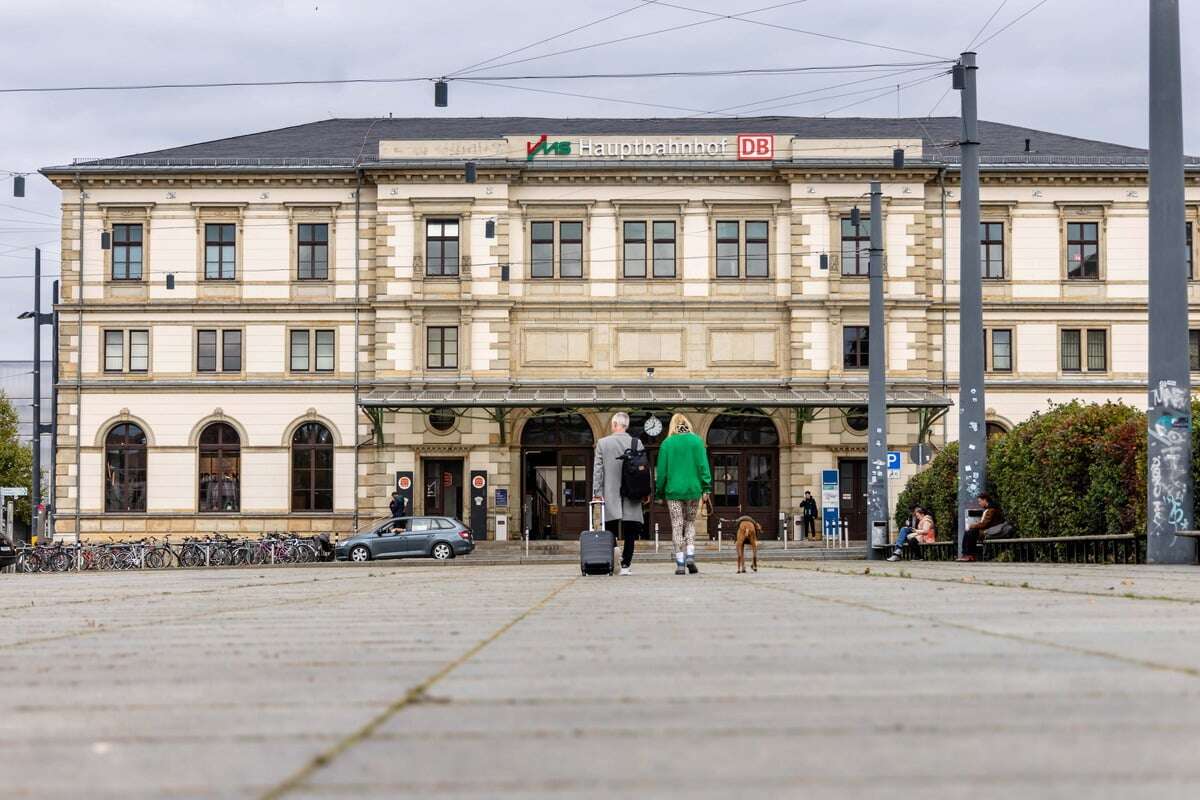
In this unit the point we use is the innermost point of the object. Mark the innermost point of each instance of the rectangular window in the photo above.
(313, 255)
(298, 351)
(1001, 354)
(1194, 350)
(312, 351)
(139, 351)
(441, 347)
(325, 350)
(1097, 351)
(220, 251)
(231, 351)
(856, 247)
(1083, 250)
(1188, 239)
(856, 346)
(570, 249)
(206, 351)
(991, 249)
(728, 249)
(664, 249)
(441, 247)
(114, 351)
(1071, 358)
(541, 251)
(127, 252)
(758, 260)
(635, 249)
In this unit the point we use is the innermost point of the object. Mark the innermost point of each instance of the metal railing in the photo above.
(1115, 549)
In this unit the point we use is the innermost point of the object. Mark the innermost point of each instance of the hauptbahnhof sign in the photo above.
(616, 147)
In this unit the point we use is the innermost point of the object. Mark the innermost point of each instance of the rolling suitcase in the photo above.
(596, 546)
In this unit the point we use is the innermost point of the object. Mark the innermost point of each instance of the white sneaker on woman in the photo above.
(626, 571)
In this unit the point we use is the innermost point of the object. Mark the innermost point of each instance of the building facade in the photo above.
(275, 331)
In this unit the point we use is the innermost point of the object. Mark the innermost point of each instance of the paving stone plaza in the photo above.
(803, 680)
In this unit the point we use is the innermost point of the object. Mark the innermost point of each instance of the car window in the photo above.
(421, 524)
(400, 525)
(444, 523)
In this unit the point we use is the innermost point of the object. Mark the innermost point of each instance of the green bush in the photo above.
(935, 489)
(1076, 469)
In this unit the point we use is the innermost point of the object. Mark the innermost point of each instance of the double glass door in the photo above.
(745, 482)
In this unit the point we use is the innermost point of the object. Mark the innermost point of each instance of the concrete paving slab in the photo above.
(913, 680)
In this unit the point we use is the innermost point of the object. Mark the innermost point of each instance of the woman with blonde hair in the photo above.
(683, 479)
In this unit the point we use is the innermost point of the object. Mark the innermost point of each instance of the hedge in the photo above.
(1077, 469)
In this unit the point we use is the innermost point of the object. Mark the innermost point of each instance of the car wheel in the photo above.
(442, 551)
(360, 553)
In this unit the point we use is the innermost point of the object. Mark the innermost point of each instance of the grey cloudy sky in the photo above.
(1072, 66)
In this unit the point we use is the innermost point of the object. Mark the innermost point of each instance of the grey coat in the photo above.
(606, 478)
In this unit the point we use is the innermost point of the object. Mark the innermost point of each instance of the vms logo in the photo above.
(755, 146)
(543, 147)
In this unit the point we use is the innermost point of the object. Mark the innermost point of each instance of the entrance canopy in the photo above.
(693, 395)
(496, 399)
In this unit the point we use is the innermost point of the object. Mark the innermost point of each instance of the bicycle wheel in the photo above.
(155, 558)
(305, 553)
(120, 557)
(59, 561)
(28, 561)
(191, 556)
(220, 557)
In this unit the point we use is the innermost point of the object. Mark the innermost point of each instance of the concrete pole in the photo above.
(1169, 452)
(877, 488)
(36, 498)
(972, 407)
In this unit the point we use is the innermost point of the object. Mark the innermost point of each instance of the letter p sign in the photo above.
(755, 146)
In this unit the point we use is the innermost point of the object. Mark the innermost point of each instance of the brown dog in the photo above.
(748, 531)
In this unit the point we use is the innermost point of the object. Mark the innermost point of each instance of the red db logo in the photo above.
(755, 146)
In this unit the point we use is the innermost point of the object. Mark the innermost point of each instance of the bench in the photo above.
(1116, 549)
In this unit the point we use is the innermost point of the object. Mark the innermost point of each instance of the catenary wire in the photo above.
(576, 29)
(743, 107)
(583, 96)
(777, 26)
(716, 73)
(643, 35)
(1035, 7)
(917, 82)
(985, 25)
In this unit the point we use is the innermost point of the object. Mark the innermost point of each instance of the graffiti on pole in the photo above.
(1169, 467)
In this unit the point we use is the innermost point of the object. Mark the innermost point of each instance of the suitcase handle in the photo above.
(592, 503)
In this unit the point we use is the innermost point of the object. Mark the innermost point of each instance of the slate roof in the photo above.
(341, 142)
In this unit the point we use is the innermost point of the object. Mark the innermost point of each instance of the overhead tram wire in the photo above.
(737, 72)
(816, 90)
(576, 29)
(818, 34)
(1014, 21)
(822, 98)
(985, 25)
(643, 35)
(917, 82)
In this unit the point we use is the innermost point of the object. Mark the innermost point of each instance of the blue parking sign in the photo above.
(894, 462)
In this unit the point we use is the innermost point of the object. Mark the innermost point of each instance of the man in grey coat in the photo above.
(623, 515)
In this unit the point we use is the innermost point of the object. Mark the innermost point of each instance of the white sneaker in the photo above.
(626, 571)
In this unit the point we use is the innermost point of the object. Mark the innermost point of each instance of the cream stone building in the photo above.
(275, 331)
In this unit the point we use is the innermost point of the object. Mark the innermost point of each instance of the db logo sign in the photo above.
(755, 146)
(405, 483)
(478, 482)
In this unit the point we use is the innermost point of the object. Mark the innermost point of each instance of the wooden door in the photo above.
(853, 491)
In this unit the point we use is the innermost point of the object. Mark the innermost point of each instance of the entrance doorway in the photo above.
(743, 449)
(556, 479)
(852, 473)
(443, 487)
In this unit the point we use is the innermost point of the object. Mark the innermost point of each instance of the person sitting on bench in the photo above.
(989, 525)
(919, 531)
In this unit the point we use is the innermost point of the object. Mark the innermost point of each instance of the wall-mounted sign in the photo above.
(502, 498)
(478, 481)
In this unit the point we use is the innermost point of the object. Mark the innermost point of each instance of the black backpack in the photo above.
(636, 481)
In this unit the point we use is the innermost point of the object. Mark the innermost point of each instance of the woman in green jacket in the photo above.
(683, 479)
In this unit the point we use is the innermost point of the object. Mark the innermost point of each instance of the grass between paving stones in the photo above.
(970, 580)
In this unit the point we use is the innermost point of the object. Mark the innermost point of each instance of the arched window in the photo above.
(995, 429)
(312, 468)
(743, 427)
(556, 428)
(125, 468)
(220, 468)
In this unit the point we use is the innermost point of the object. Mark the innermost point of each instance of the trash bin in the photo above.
(879, 534)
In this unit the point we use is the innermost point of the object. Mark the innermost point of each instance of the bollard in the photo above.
(783, 525)
(719, 523)
(656, 537)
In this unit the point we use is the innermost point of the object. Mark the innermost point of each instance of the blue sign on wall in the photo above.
(894, 462)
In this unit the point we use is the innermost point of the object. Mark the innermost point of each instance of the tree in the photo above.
(16, 459)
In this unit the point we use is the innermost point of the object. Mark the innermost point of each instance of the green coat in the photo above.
(682, 471)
